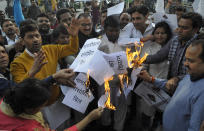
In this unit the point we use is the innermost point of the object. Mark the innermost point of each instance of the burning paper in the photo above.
(133, 58)
(108, 104)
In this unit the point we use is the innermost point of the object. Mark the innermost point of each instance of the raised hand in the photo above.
(73, 29)
(38, 63)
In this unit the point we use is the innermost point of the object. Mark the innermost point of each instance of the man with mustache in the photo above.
(185, 109)
(5, 83)
(44, 26)
(86, 30)
(24, 66)
(188, 27)
(11, 37)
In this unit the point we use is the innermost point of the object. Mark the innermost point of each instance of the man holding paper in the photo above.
(109, 44)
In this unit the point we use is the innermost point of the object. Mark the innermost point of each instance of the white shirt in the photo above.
(109, 47)
(129, 34)
(10, 41)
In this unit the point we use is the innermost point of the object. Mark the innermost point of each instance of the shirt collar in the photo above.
(11, 41)
(29, 53)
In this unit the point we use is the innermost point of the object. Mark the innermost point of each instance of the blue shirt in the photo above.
(185, 111)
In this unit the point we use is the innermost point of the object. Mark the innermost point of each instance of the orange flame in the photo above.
(87, 84)
(133, 58)
(108, 104)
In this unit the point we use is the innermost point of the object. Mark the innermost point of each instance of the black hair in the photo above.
(5, 20)
(199, 42)
(180, 8)
(166, 28)
(3, 45)
(43, 15)
(194, 17)
(29, 94)
(60, 12)
(27, 26)
(112, 21)
(85, 15)
(59, 29)
(140, 9)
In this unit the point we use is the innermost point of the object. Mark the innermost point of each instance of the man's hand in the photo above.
(172, 84)
(73, 29)
(145, 76)
(38, 63)
(64, 77)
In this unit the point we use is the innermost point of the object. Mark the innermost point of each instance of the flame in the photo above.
(133, 58)
(108, 104)
(87, 84)
(87, 81)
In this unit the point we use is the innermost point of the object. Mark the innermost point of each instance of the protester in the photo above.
(162, 34)
(64, 16)
(137, 30)
(47, 59)
(21, 105)
(86, 30)
(174, 50)
(33, 10)
(185, 109)
(124, 20)
(44, 26)
(109, 45)
(60, 36)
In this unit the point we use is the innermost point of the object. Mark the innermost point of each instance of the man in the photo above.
(11, 37)
(124, 20)
(185, 109)
(2, 17)
(109, 45)
(5, 82)
(174, 50)
(44, 26)
(137, 30)
(64, 16)
(33, 10)
(86, 30)
(23, 66)
(179, 11)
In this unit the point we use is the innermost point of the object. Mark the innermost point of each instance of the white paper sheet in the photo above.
(99, 68)
(117, 61)
(150, 96)
(117, 9)
(78, 99)
(171, 19)
(102, 100)
(85, 55)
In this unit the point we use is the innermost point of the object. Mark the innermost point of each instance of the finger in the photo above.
(71, 83)
(69, 70)
(43, 63)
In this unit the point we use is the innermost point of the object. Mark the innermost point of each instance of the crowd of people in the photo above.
(35, 58)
